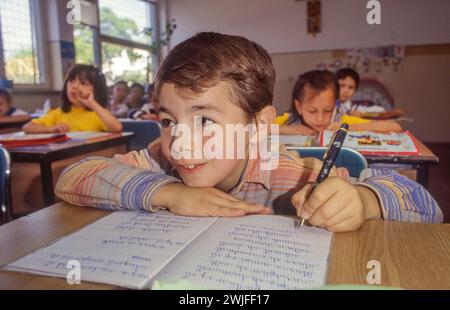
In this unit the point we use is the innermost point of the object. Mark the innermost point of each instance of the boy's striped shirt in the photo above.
(129, 181)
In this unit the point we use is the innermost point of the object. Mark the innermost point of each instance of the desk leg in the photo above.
(47, 183)
(422, 175)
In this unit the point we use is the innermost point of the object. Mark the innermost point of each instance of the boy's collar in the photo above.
(254, 174)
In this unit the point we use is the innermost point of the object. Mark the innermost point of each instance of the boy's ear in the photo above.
(298, 104)
(267, 115)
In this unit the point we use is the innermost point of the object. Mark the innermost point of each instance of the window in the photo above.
(125, 19)
(83, 36)
(125, 48)
(19, 51)
(126, 63)
(123, 45)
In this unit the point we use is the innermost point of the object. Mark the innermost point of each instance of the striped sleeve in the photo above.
(123, 182)
(401, 198)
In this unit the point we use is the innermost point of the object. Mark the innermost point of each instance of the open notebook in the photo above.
(133, 249)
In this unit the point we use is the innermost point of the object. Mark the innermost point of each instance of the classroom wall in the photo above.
(421, 85)
(31, 101)
(280, 25)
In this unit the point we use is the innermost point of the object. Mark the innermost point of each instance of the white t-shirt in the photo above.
(348, 106)
(119, 110)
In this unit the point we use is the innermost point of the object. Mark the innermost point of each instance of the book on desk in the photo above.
(135, 248)
(22, 139)
(374, 143)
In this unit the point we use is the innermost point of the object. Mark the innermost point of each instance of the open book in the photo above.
(20, 139)
(373, 143)
(133, 249)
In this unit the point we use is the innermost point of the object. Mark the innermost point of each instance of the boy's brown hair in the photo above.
(207, 58)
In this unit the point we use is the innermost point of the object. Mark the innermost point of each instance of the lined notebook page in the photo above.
(254, 252)
(125, 248)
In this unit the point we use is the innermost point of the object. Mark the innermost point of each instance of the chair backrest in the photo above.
(5, 203)
(145, 132)
(347, 158)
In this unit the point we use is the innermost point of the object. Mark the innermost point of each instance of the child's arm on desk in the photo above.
(135, 181)
(401, 198)
(338, 205)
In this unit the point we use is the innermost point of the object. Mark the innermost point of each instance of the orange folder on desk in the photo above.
(18, 140)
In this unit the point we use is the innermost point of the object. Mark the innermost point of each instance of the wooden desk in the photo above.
(411, 255)
(34, 170)
(8, 126)
(420, 162)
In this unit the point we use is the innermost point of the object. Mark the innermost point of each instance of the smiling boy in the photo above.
(221, 80)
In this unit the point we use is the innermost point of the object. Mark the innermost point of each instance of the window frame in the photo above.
(94, 41)
(38, 24)
(99, 38)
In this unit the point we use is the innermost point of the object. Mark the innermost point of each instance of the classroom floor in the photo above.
(439, 184)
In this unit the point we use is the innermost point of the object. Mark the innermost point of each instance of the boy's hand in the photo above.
(183, 200)
(59, 128)
(336, 205)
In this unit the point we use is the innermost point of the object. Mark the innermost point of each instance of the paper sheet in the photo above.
(254, 252)
(133, 249)
(125, 248)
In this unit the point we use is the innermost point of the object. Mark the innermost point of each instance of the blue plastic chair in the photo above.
(144, 132)
(347, 158)
(5, 202)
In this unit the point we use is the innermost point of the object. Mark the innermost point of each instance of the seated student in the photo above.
(117, 105)
(84, 97)
(313, 108)
(214, 81)
(7, 110)
(136, 96)
(149, 109)
(348, 85)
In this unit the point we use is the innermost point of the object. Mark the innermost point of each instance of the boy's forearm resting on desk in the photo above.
(109, 184)
(372, 207)
(400, 198)
(135, 181)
